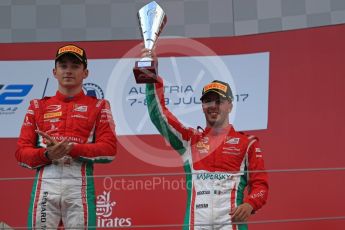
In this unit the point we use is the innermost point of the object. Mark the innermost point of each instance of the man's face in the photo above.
(70, 72)
(216, 110)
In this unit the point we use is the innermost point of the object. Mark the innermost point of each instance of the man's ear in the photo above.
(86, 73)
(54, 72)
(230, 106)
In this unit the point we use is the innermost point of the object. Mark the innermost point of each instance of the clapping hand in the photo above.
(55, 149)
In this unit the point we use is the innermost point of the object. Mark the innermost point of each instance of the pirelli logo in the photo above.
(71, 48)
(215, 86)
(51, 115)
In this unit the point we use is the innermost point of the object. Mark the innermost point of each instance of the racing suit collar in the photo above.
(64, 98)
(219, 131)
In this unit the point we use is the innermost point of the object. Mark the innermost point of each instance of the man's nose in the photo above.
(68, 69)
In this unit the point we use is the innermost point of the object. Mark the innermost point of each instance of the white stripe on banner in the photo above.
(247, 74)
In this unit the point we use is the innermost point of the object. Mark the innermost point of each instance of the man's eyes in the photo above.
(73, 66)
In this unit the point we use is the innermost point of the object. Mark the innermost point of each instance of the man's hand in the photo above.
(56, 150)
(149, 53)
(48, 139)
(59, 150)
(241, 213)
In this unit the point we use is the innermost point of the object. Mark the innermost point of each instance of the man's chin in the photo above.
(69, 85)
(212, 122)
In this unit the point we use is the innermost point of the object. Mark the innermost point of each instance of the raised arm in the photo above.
(166, 123)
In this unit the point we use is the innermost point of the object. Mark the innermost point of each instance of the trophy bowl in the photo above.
(152, 20)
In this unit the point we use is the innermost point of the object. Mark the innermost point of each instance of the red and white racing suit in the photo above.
(219, 165)
(63, 190)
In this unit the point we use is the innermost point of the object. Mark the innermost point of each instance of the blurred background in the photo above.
(88, 20)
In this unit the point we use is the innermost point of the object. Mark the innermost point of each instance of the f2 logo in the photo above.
(13, 94)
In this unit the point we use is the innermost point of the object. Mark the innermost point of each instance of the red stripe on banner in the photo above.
(37, 195)
(192, 212)
(232, 203)
(47, 50)
(83, 194)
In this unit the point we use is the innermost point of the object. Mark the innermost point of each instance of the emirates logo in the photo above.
(104, 211)
(104, 207)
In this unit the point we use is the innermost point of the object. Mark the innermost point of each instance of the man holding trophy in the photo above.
(220, 163)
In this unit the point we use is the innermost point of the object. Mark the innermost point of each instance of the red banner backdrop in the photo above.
(305, 131)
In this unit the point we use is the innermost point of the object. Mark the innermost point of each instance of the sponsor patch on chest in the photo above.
(80, 108)
(51, 115)
(203, 146)
(231, 150)
(79, 116)
(233, 141)
(53, 108)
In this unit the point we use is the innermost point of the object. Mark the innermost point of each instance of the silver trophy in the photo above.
(152, 20)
